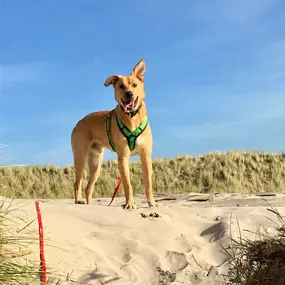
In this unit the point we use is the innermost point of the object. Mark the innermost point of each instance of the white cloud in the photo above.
(254, 112)
(57, 152)
(210, 130)
(19, 73)
(66, 118)
(266, 135)
(28, 72)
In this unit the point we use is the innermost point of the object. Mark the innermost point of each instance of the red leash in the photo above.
(116, 190)
(41, 236)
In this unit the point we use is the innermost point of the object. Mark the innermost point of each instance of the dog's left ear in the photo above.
(139, 70)
(111, 80)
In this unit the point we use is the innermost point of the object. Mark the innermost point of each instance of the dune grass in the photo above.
(245, 172)
(261, 261)
(15, 268)
(255, 262)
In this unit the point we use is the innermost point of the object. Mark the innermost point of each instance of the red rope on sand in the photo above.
(41, 237)
(116, 190)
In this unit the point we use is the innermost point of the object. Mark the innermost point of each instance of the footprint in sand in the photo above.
(177, 260)
(126, 255)
(152, 215)
(182, 245)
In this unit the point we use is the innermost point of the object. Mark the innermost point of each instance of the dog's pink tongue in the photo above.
(127, 106)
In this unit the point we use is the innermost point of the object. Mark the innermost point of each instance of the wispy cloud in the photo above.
(19, 73)
(229, 130)
(209, 131)
(215, 79)
(65, 118)
(56, 152)
(53, 152)
(252, 113)
(22, 73)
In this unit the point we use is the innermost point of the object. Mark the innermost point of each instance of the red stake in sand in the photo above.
(41, 237)
(41, 234)
(116, 190)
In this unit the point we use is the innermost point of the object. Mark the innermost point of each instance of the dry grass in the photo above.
(15, 268)
(254, 262)
(215, 172)
(259, 262)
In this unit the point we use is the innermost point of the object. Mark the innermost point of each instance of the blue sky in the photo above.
(215, 77)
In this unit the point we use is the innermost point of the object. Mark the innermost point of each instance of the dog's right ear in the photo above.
(111, 80)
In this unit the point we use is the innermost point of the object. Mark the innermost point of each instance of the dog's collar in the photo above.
(130, 136)
(131, 114)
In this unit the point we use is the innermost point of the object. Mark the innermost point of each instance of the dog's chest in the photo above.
(139, 145)
(139, 142)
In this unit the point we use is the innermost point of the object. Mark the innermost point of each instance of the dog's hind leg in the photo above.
(94, 162)
(80, 148)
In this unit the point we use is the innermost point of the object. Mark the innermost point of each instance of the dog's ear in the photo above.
(111, 80)
(139, 70)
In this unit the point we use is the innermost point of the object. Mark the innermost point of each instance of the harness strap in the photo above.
(108, 133)
(130, 136)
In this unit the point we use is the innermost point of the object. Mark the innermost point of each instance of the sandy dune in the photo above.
(108, 245)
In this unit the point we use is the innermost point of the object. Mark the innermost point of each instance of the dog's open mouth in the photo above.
(129, 106)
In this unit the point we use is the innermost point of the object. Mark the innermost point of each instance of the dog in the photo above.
(124, 130)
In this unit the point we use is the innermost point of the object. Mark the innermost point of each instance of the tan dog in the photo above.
(124, 130)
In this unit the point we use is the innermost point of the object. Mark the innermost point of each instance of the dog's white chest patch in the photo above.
(139, 141)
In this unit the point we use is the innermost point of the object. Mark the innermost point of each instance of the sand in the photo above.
(180, 241)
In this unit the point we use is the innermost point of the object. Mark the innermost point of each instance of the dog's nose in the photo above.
(129, 94)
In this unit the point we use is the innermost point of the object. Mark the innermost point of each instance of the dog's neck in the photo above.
(132, 121)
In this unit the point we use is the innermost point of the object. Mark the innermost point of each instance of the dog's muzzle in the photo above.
(129, 105)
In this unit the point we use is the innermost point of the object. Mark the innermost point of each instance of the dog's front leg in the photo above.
(125, 174)
(146, 162)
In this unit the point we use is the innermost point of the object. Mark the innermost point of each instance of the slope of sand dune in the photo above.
(179, 241)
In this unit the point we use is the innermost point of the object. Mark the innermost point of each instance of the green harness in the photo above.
(130, 136)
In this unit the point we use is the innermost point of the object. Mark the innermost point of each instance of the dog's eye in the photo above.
(122, 86)
(134, 85)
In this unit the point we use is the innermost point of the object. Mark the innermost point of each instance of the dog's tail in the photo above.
(116, 190)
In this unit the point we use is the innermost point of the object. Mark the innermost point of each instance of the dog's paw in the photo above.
(80, 202)
(152, 203)
(130, 205)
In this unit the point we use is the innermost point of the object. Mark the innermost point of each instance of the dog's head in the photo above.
(129, 90)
